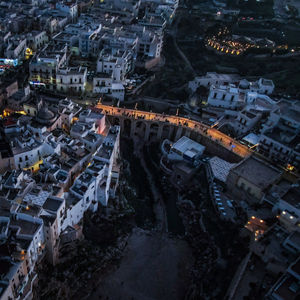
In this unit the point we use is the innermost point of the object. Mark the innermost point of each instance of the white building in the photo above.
(89, 116)
(245, 121)
(71, 79)
(37, 39)
(15, 48)
(44, 66)
(102, 83)
(280, 138)
(225, 96)
(117, 65)
(150, 43)
(28, 153)
(266, 86)
(212, 78)
(186, 149)
(94, 185)
(118, 91)
(262, 86)
(70, 8)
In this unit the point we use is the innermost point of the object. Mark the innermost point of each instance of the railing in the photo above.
(203, 129)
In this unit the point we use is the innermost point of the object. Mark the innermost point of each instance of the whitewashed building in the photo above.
(71, 79)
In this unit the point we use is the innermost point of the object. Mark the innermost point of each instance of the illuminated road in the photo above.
(196, 126)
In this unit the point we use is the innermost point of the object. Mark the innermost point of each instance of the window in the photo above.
(20, 159)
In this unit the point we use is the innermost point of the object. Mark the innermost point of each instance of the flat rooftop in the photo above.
(292, 196)
(185, 144)
(290, 110)
(257, 172)
(267, 82)
(220, 168)
(52, 203)
(287, 288)
(26, 227)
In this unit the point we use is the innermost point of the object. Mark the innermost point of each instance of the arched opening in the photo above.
(116, 121)
(183, 132)
(166, 131)
(154, 128)
(140, 128)
(194, 135)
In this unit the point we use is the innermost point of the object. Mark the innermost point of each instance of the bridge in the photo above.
(150, 126)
